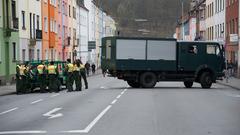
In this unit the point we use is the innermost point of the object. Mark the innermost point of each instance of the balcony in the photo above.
(39, 34)
(15, 23)
(32, 42)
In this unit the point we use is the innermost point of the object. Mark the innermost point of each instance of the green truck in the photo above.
(143, 62)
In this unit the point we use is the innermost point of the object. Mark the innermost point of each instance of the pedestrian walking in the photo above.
(93, 68)
(41, 73)
(69, 75)
(83, 74)
(53, 78)
(77, 76)
(87, 66)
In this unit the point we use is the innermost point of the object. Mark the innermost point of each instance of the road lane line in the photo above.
(114, 101)
(89, 127)
(119, 96)
(10, 110)
(54, 95)
(74, 131)
(102, 87)
(34, 102)
(22, 132)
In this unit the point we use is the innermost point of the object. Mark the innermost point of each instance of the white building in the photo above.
(219, 21)
(82, 32)
(215, 20)
(92, 29)
(30, 30)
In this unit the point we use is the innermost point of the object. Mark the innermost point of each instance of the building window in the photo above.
(13, 9)
(23, 54)
(74, 12)
(45, 24)
(69, 11)
(33, 25)
(37, 22)
(38, 54)
(23, 20)
(14, 51)
(30, 25)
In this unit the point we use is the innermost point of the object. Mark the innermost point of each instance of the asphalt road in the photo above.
(110, 107)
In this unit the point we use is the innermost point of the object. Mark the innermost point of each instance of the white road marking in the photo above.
(10, 110)
(89, 127)
(54, 95)
(22, 132)
(119, 96)
(50, 114)
(34, 102)
(75, 131)
(102, 87)
(114, 101)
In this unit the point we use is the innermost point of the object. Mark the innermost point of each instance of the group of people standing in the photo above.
(48, 75)
(74, 72)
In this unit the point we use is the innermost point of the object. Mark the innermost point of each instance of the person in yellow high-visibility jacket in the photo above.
(21, 79)
(41, 72)
(53, 78)
(69, 75)
(77, 76)
(83, 74)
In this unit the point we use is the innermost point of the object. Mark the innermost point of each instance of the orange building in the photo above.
(49, 23)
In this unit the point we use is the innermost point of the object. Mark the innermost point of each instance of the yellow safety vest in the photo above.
(76, 68)
(22, 69)
(52, 69)
(82, 66)
(70, 67)
(40, 69)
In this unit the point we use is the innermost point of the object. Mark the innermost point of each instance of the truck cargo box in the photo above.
(119, 53)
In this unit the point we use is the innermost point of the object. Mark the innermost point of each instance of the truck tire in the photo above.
(188, 84)
(206, 80)
(148, 80)
(133, 84)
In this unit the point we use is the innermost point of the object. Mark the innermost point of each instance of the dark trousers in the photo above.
(69, 81)
(77, 80)
(53, 83)
(83, 74)
(21, 84)
(42, 81)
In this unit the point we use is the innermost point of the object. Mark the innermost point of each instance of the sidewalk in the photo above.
(11, 89)
(232, 82)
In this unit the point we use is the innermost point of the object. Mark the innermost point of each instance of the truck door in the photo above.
(189, 56)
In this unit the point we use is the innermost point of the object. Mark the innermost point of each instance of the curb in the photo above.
(228, 85)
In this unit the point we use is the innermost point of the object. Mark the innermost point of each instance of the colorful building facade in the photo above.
(9, 40)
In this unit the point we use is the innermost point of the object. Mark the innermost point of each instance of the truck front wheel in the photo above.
(148, 80)
(188, 84)
(206, 80)
(133, 84)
